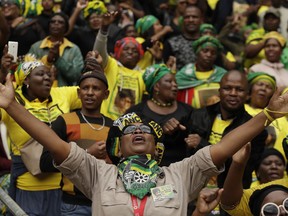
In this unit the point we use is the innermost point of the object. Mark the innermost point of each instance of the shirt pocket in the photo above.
(169, 202)
(113, 197)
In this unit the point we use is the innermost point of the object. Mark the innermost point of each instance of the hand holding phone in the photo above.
(13, 49)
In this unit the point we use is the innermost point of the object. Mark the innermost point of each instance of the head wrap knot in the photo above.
(153, 74)
(205, 41)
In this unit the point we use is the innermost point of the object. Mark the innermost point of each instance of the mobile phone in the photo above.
(13, 49)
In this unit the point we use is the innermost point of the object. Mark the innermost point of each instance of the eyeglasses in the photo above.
(130, 129)
(271, 209)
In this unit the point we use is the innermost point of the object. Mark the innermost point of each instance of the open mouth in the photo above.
(138, 139)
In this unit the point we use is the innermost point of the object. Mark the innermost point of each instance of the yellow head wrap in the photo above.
(277, 36)
(94, 7)
(24, 70)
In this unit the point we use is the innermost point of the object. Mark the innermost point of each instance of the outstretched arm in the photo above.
(233, 187)
(236, 139)
(37, 129)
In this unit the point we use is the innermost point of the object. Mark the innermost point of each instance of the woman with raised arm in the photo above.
(137, 178)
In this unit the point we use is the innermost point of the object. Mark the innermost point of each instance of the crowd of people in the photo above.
(132, 107)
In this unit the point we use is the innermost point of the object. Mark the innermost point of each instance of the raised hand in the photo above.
(278, 104)
(107, 19)
(6, 93)
(207, 200)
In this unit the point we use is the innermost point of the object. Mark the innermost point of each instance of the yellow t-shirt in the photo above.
(243, 207)
(46, 111)
(126, 89)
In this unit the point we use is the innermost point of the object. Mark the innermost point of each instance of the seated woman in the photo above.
(163, 108)
(271, 166)
(199, 82)
(274, 43)
(261, 89)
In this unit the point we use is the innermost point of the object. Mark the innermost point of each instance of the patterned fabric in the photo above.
(115, 132)
(120, 44)
(139, 174)
(4, 184)
(24, 70)
(182, 49)
(97, 7)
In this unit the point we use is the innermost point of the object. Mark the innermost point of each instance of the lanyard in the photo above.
(138, 211)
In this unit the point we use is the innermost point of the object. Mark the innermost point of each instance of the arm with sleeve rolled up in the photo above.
(100, 43)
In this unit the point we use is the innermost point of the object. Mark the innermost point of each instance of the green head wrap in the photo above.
(254, 77)
(97, 7)
(153, 74)
(205, 41)
(144, 23)
(205, 26)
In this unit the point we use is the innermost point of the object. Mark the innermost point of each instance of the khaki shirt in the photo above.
(100, 183)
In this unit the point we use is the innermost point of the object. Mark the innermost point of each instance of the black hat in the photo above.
(93, 74)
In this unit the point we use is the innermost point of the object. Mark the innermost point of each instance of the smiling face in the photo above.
(271, 168)
(167, 88)
(273, 50)
(92, 92)
(137, 143)
(40, 82)
(233, 91)
(129, 56)
(261, 92)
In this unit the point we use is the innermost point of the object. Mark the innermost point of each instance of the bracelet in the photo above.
(268, 116)
(229, 207)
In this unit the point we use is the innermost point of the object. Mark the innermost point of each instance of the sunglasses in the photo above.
(271, 209)
(130, 129)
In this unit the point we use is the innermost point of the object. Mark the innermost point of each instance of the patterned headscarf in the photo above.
(144, 23)
(94, 6)
(205, 26)
(255, 77)
(115, 132)
(205, 41)
(153, 74)
(120, 44)
(24, 70)
(277, 36)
